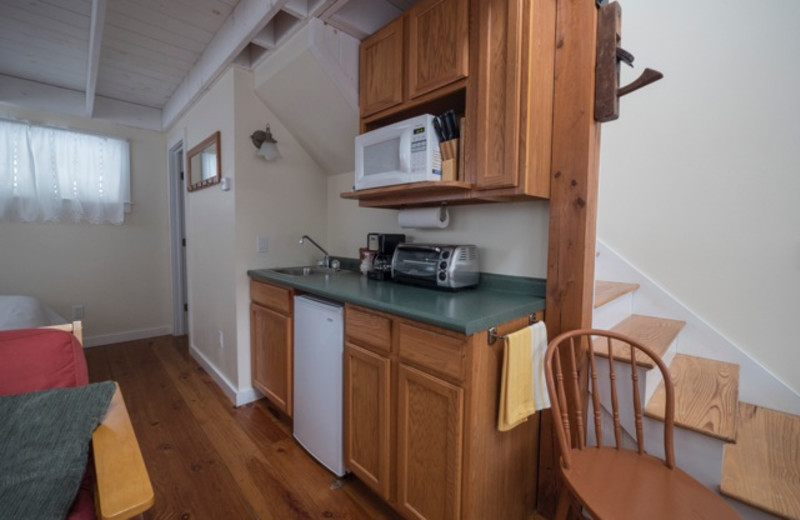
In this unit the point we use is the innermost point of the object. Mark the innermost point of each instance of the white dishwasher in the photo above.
(318, 358)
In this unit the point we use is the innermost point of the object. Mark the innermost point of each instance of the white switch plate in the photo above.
(261, 244)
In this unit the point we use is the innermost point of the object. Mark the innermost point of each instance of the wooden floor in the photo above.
(210, 460)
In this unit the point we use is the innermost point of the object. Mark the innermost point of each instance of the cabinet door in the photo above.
(429, 445)
(497, 134)
(367, 417)
(514, 119)
(381, 69)
(438, 44)
(271, 355)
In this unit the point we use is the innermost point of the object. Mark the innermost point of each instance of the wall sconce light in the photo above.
(266, 144)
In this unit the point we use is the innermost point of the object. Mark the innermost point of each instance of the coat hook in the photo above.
(609, 57)
(645, 78)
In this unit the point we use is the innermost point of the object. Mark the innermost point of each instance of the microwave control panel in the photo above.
(419, 151)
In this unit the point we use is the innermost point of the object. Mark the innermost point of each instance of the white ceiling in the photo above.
(143, 62)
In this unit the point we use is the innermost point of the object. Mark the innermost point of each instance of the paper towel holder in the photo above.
(424, 218)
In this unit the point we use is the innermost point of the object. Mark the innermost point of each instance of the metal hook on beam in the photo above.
(645, 78)
(607, 68)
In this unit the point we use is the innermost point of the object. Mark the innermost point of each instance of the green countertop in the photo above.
(497, 299)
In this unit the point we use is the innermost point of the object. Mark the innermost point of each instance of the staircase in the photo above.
(748, 453)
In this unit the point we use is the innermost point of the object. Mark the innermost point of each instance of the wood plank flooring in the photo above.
(210, 460)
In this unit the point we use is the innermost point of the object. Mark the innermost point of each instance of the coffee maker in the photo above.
(383, 245)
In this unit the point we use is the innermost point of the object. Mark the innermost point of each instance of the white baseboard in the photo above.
(121, 337)
(237, 397)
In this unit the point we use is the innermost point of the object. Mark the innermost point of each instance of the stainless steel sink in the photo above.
(308, 270)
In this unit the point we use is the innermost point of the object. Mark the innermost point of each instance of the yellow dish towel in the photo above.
(523, 390)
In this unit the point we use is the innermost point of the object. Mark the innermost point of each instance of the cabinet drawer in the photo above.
(271, 296)
(439, 353)
(368, 329)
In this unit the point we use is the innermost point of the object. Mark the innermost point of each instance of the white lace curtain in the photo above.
(50, 174)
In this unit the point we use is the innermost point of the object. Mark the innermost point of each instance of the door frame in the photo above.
(177, 219)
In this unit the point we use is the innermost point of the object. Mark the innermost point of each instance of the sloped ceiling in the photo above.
(143, 62)
(311, 85)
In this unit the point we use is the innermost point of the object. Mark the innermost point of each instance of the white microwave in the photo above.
(403, 152)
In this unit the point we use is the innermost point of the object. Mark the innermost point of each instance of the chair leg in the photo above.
(563, 504)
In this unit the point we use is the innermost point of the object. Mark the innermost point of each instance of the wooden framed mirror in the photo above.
(204, 164)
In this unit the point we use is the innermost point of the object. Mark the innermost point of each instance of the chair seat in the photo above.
(621, 485)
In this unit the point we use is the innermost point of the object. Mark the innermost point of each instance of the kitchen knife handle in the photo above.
(437, 125)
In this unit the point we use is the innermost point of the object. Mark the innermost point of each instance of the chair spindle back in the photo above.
(572, 348)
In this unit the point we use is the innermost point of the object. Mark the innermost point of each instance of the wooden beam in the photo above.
(573, 199)
(95, 42)
(244, 23)
(38, 96)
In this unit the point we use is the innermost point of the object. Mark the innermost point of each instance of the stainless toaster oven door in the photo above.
(419, 263)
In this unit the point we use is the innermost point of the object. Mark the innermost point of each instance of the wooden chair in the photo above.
(610, 481)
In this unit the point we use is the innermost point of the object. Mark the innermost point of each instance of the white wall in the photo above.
(119, 273)
(511, 237)
(699, 179)
(210, 244)
(280, 200)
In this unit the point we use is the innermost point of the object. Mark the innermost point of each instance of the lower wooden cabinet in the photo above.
(271, 331)
(367, 414)
(430, 423)
(420, 421)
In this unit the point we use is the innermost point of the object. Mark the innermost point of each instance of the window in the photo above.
(52, 174)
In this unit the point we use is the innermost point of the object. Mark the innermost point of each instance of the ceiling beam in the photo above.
(243, 24)
(95, 40)
(48, 98)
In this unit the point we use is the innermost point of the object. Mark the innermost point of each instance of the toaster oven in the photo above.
(436, 265)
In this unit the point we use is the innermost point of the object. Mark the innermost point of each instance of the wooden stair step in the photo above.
(605, 292)
(763, 468)
(654, 333)
(706, 396)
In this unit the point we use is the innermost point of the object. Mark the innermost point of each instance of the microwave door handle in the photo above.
(405, 152)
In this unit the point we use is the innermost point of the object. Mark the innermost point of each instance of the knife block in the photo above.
(449, 152)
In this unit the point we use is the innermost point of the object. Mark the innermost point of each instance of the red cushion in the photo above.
(39, 359)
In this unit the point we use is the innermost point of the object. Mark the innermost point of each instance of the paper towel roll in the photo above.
(424, 218)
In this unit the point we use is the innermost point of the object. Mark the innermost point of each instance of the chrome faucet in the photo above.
(325, 259)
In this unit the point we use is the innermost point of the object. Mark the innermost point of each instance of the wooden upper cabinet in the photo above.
(493, 62)
(381, 69)
(438, 45)
(409, 60)
(513, 116)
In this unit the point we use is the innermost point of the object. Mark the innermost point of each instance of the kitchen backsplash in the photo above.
(511, 237)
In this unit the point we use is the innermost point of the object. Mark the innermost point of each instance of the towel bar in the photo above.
(492, 332)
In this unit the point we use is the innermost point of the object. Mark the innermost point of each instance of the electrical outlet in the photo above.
(77, 312)
(262, 244)
(221, 339)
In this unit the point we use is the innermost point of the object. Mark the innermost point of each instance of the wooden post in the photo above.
(573, 200)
